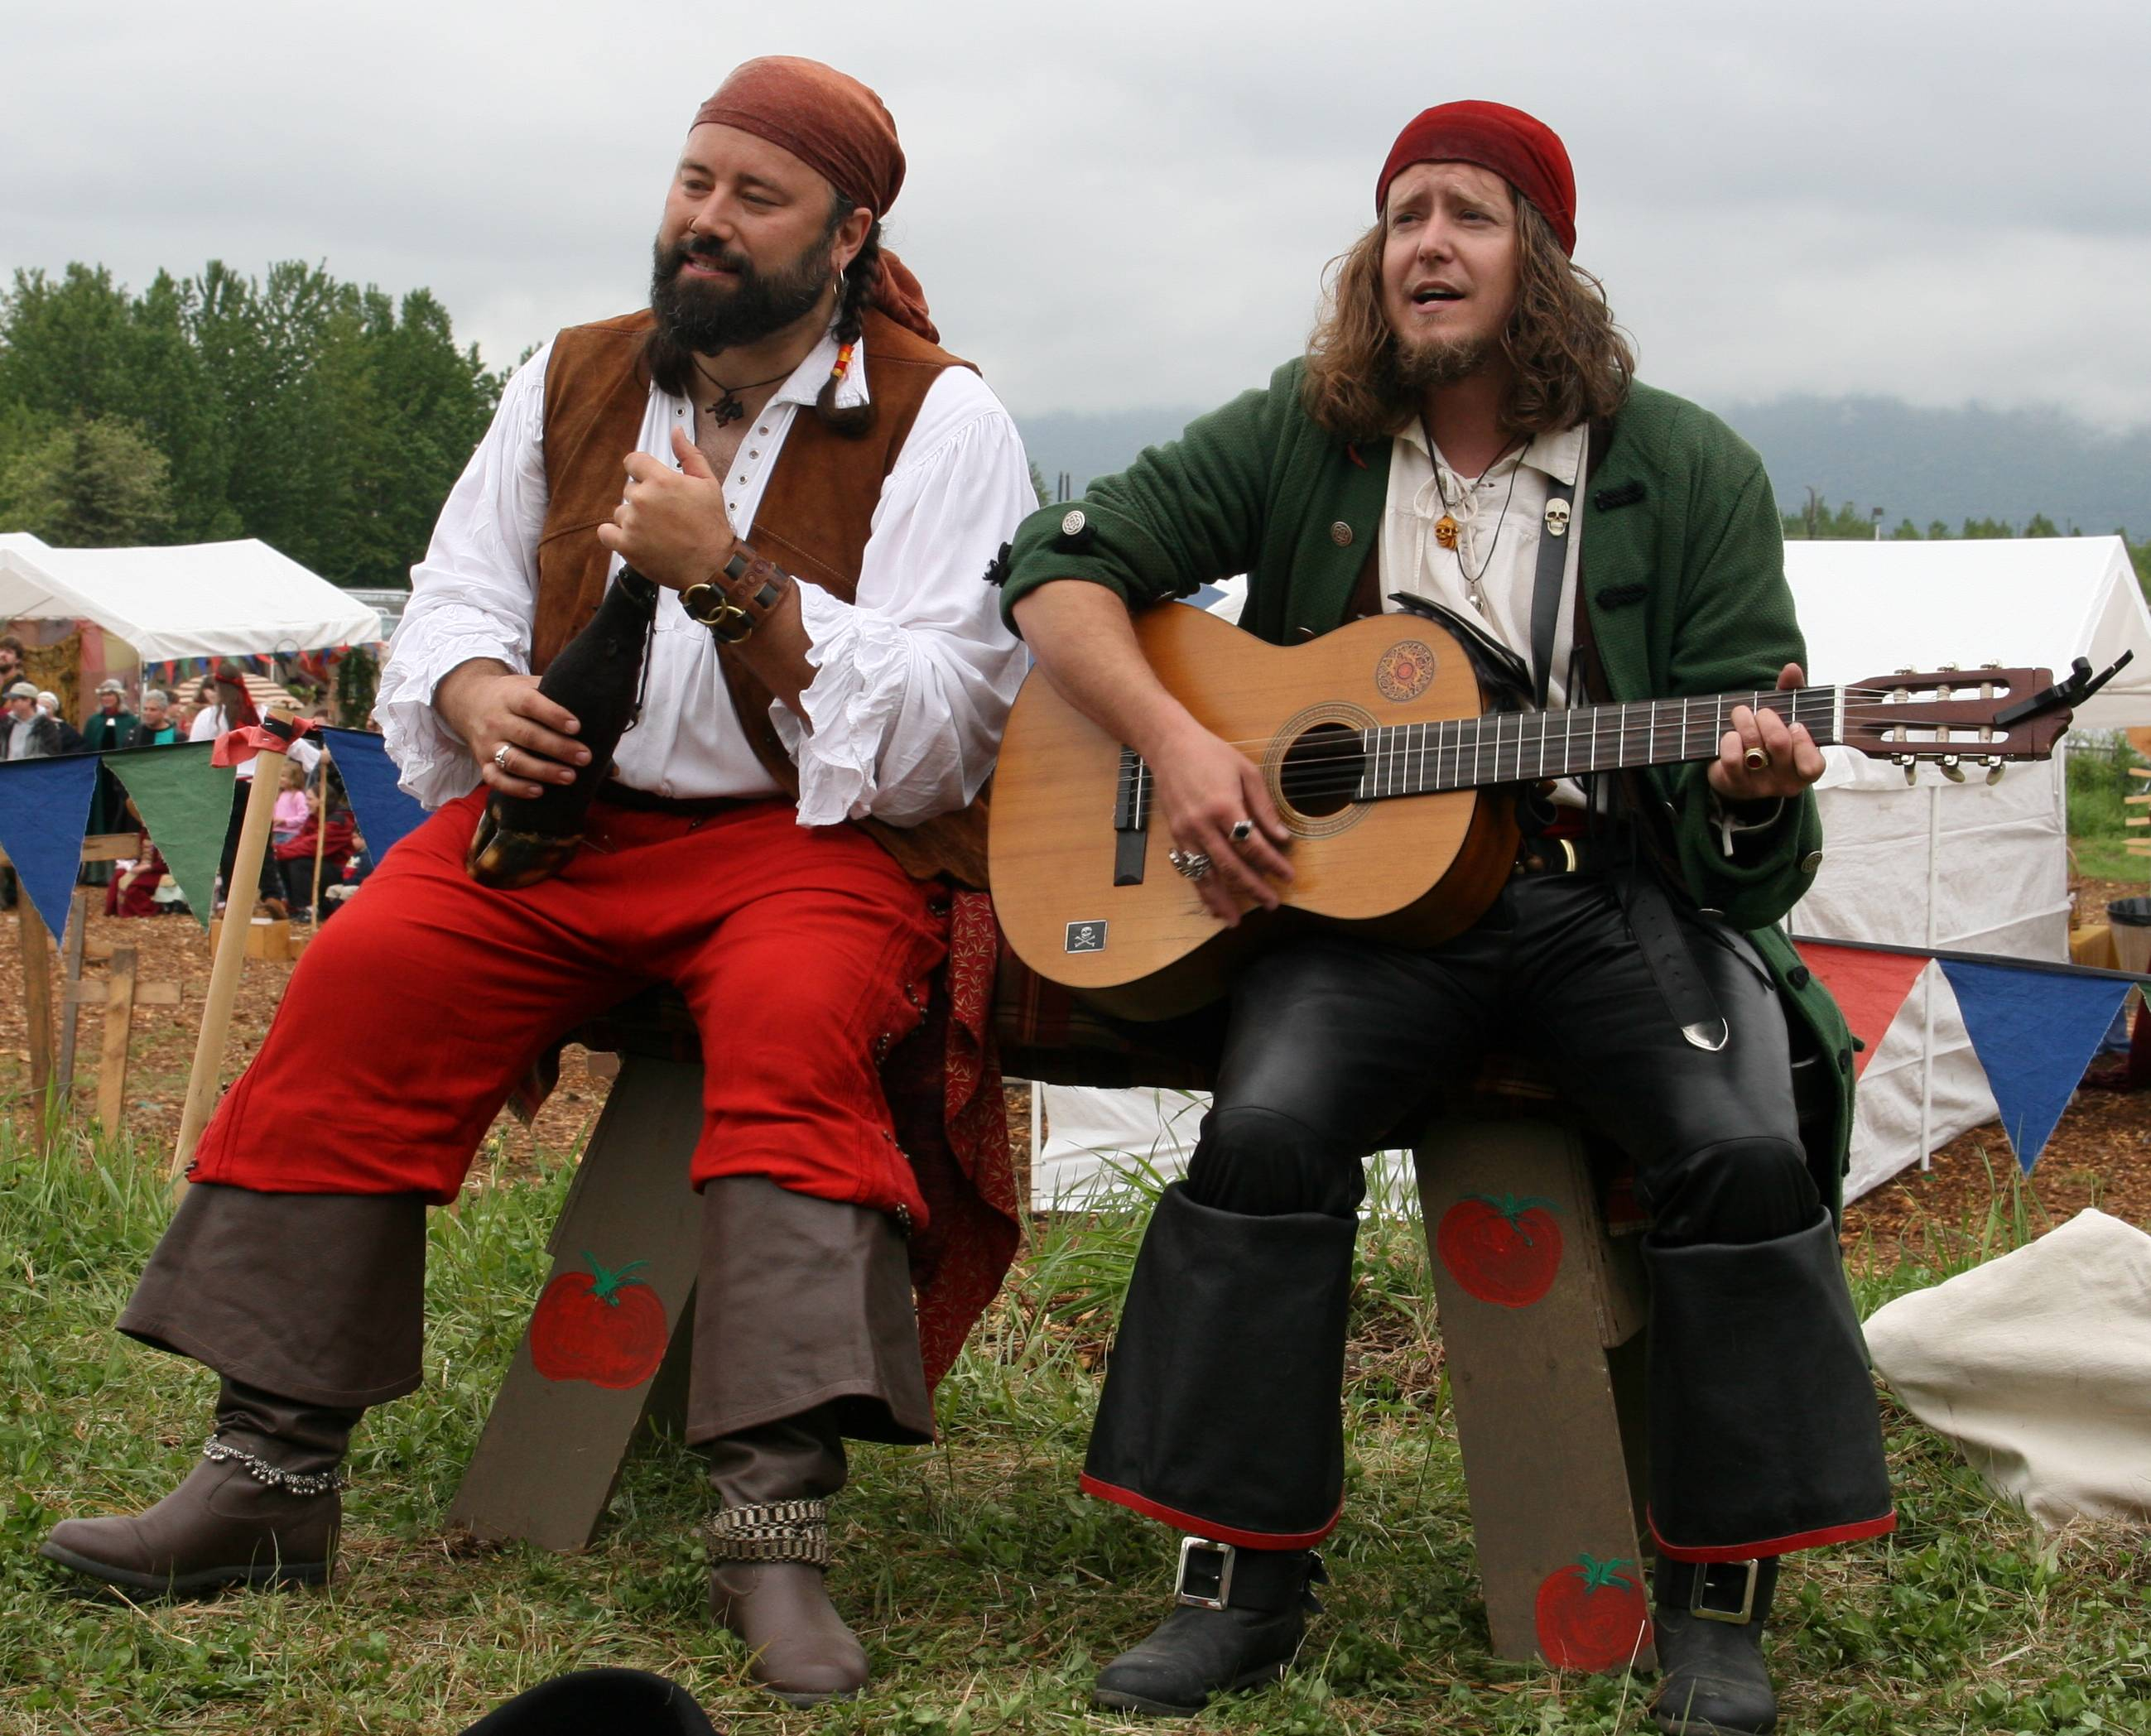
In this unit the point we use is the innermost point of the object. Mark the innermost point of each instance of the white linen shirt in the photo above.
(912, 681)
(1500, 520)
(1500, 546)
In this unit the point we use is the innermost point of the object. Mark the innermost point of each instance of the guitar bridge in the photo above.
(1131, 819)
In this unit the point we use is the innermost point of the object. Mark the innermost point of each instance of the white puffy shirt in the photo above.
(912, 681)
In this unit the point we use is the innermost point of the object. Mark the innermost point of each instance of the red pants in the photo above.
(803, 953)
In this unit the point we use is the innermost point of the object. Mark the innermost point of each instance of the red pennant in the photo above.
(1869, 987)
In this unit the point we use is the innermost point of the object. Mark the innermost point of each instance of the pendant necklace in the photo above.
(1446, 529)
(728, 409)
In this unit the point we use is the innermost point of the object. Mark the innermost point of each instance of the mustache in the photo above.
(709, 251)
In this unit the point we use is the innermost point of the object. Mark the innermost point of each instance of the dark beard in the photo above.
(1443, 362)
(705, 318)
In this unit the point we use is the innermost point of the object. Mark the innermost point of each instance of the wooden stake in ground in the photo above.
(231, 942)
(36, 1002)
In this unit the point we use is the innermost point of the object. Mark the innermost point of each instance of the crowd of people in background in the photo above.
(32, 726)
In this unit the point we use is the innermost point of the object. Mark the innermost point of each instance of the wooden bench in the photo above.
(1541, 1311)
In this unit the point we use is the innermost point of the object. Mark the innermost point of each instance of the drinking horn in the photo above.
(521, 840)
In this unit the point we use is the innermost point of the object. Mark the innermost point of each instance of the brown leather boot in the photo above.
(803, 1652)
(260, 1508)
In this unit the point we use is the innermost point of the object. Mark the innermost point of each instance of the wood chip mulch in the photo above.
(2099, 1156)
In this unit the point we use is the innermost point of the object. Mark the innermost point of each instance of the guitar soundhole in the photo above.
(1322, 770)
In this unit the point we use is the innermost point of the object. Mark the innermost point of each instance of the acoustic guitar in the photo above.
(1376, 745)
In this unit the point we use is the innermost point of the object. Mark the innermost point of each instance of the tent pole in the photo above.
(321, 841)
(230, 946)
(1927, 980)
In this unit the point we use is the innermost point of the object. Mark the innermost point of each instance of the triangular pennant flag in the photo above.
(2035, 1032)
(185, 805)
(44, 809)
(384, 813)
(1868, 987)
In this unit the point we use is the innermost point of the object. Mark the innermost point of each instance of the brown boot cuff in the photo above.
(317, 1297)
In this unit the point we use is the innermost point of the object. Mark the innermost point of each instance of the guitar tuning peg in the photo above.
(1911, 766)
(1993, 771)
(1989, 666)
(1952, 769)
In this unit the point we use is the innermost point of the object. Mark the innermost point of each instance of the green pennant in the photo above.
(185, 804)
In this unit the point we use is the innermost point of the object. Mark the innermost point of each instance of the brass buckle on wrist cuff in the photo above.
(707, 604)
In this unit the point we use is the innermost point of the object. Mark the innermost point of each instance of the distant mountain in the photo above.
(1914, 463)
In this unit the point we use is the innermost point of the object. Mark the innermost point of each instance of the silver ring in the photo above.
(500, 757)
(1188, 865)
(1243, 830)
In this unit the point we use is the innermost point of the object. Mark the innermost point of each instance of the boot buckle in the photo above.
(1206, 1574)
(1715, 1611)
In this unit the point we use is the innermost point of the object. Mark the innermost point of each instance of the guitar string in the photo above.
(1867, 709)
(1345, 769)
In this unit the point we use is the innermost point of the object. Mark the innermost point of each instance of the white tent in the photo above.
(1972, 867)
(195, 599)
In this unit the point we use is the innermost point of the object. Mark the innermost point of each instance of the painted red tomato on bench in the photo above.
(1505, 1251)
(1592, 1617)
(600, 1326)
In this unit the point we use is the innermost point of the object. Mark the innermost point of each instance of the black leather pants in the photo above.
(1337, 1044)
(1220, 1409)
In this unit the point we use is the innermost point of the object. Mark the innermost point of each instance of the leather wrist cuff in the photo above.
(738, 597)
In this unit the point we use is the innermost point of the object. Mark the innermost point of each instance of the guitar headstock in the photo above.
(1954, 715)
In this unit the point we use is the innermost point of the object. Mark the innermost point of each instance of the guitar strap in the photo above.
(1546, 589)
(1660, 935)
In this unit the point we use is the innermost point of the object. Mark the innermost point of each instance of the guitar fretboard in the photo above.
(1415, 759)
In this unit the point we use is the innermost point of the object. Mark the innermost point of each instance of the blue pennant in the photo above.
(44, 807)
(384, 813)
(2035, 1032)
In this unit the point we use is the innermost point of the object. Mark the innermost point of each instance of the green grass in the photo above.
(986, 1589)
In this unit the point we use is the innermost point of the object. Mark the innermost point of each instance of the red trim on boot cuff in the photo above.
(1821, 1539)
(1202, 1527)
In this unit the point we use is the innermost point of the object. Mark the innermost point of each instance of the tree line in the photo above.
(325, 417)
(1850, 521)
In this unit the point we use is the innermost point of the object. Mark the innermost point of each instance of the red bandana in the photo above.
(1526, 153)
(838, 129)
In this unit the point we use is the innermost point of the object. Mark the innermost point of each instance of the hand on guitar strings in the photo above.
(671, 525)
(520, 740)
(1206, 788)
(1762, 758)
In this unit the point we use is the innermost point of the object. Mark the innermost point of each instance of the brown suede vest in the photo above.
(813, 521)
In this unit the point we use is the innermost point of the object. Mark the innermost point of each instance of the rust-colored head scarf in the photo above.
(838, 129)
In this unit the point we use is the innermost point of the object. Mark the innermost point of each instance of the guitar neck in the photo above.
(1417, 759)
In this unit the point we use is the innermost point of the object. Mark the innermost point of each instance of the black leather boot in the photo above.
(1712, 1681)
(1237, 1618)
(260, 1508)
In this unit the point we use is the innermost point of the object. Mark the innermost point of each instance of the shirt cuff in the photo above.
(433, 762)
(862, 664)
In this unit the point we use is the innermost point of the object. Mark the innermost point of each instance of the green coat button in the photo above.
(1811, 862)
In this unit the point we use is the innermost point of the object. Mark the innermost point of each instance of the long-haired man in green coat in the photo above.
(1465, 436)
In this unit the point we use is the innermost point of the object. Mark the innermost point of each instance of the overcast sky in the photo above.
(1130, 204)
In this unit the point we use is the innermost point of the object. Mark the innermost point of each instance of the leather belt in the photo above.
(1553, 853)
(617, 794)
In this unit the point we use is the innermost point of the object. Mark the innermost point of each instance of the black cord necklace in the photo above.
(1449, 541)
(729, 409)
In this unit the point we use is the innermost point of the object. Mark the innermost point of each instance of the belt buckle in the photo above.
(1192, 1589)
(1739, 1617)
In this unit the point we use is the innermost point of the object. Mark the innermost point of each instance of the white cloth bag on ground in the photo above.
(2038, 1366)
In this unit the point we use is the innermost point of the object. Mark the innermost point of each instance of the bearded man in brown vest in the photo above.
(776, 841)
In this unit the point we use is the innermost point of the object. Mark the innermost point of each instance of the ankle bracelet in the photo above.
(275, 1476)
(776, 1530)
